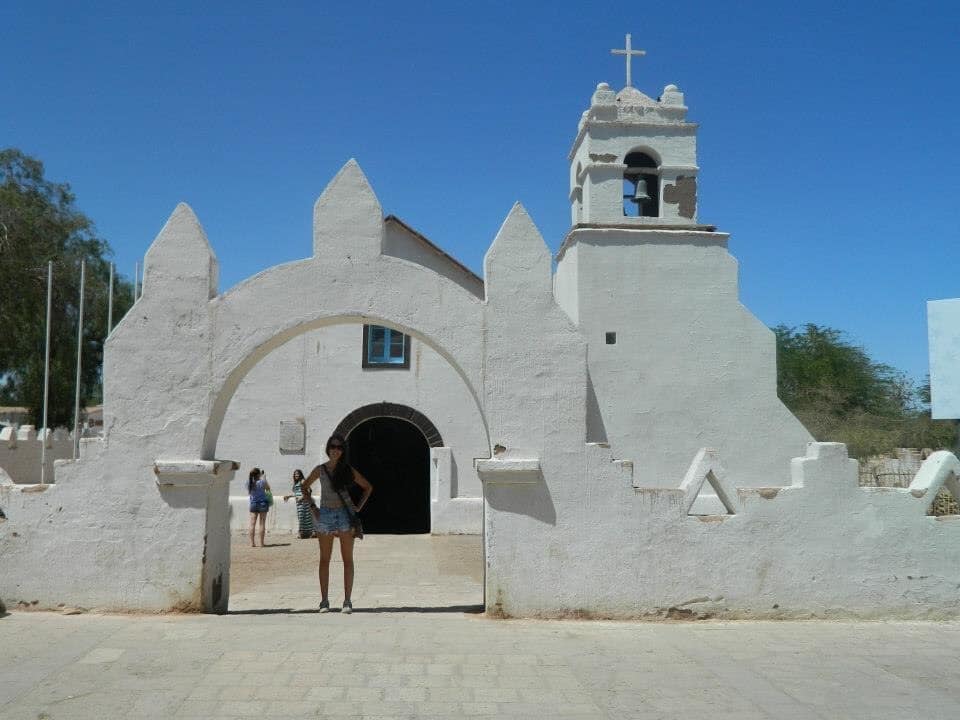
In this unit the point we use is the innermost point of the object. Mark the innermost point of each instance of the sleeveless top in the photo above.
(259, 492)
(328, 496)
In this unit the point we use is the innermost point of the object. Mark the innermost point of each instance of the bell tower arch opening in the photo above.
(641, 185)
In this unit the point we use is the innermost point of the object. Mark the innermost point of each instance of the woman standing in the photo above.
(304, 506)
(257, 489)
(333, 520)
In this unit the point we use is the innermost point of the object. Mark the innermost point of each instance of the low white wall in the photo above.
(281, 518)
(107, 534)
(21, 450)
(822, 546)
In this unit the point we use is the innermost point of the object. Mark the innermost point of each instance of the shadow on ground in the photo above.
(461, 609)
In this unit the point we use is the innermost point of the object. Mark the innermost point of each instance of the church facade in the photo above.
(611, 428)
(395, 399)
(653, 294)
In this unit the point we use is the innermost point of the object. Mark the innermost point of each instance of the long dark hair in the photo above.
(295, 478)
(252, 480)
(342, 474)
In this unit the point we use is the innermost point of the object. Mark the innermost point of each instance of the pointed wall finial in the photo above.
(518, 261)
(181, 254)
(347, 218)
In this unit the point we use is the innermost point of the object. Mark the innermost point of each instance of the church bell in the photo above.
(640, 194)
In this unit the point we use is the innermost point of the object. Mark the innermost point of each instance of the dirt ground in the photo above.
(278, 559)
(393, 558)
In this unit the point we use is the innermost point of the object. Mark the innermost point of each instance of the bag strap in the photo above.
(344, 497)
(348, 504)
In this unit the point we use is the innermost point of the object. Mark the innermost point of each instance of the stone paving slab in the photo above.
(282, 659)
(446, 665)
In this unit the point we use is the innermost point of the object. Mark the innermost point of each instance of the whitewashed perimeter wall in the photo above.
(111, 532)
(140, 521)
(820, 547)
(21, 450)
(318, 377)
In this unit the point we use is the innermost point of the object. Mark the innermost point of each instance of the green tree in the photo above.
(841, 395)
(39, 223)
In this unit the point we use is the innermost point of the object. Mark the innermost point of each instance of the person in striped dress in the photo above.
(304, 506)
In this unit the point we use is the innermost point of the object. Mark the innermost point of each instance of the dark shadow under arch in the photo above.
(391, 410)
(394, 456)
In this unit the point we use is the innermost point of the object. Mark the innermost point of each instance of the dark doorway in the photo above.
(394, 456)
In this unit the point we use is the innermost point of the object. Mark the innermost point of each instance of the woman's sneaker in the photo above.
(347, 607)
(324, 606)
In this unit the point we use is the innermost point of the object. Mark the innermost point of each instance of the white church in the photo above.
(653, 294)
(609, 424)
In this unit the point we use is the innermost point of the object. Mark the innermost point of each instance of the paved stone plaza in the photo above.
(418, 647)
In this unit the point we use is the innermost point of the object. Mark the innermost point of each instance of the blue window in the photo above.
(385, 348)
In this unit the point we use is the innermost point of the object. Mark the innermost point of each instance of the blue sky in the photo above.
(828, 144)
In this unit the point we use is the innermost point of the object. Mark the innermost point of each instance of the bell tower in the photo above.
(675, 362)
(634, 160)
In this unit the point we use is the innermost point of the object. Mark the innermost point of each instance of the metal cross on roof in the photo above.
(629, 52)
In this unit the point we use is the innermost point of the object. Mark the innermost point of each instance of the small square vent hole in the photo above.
(611, 338)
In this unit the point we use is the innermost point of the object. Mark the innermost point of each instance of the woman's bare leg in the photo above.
(346, 554)
(253, 527)
(326, 551)
(263, 526)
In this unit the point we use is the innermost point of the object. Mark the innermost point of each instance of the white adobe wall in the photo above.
(943, 328)
(691, 367)
(821, 547)
(565, 281)
(399, 242)
(21, 450)
(141, 520)
(571, 529)
(318, 377)
(112, 532)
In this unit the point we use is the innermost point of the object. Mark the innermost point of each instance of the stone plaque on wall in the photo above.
(293, 437)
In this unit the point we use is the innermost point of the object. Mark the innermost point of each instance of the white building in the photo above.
(572, 417)
(675, 362)
(391, 395)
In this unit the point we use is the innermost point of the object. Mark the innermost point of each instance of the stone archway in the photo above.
(403, 436)
(173, 364)
(186, 350)
(347, 280)
(391, 410)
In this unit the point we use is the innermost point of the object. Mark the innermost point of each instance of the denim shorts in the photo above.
(332, 520)
(261, 506)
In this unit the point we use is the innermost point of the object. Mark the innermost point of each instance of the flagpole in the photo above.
(46, 378)
(110, 302)
(76, 402)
